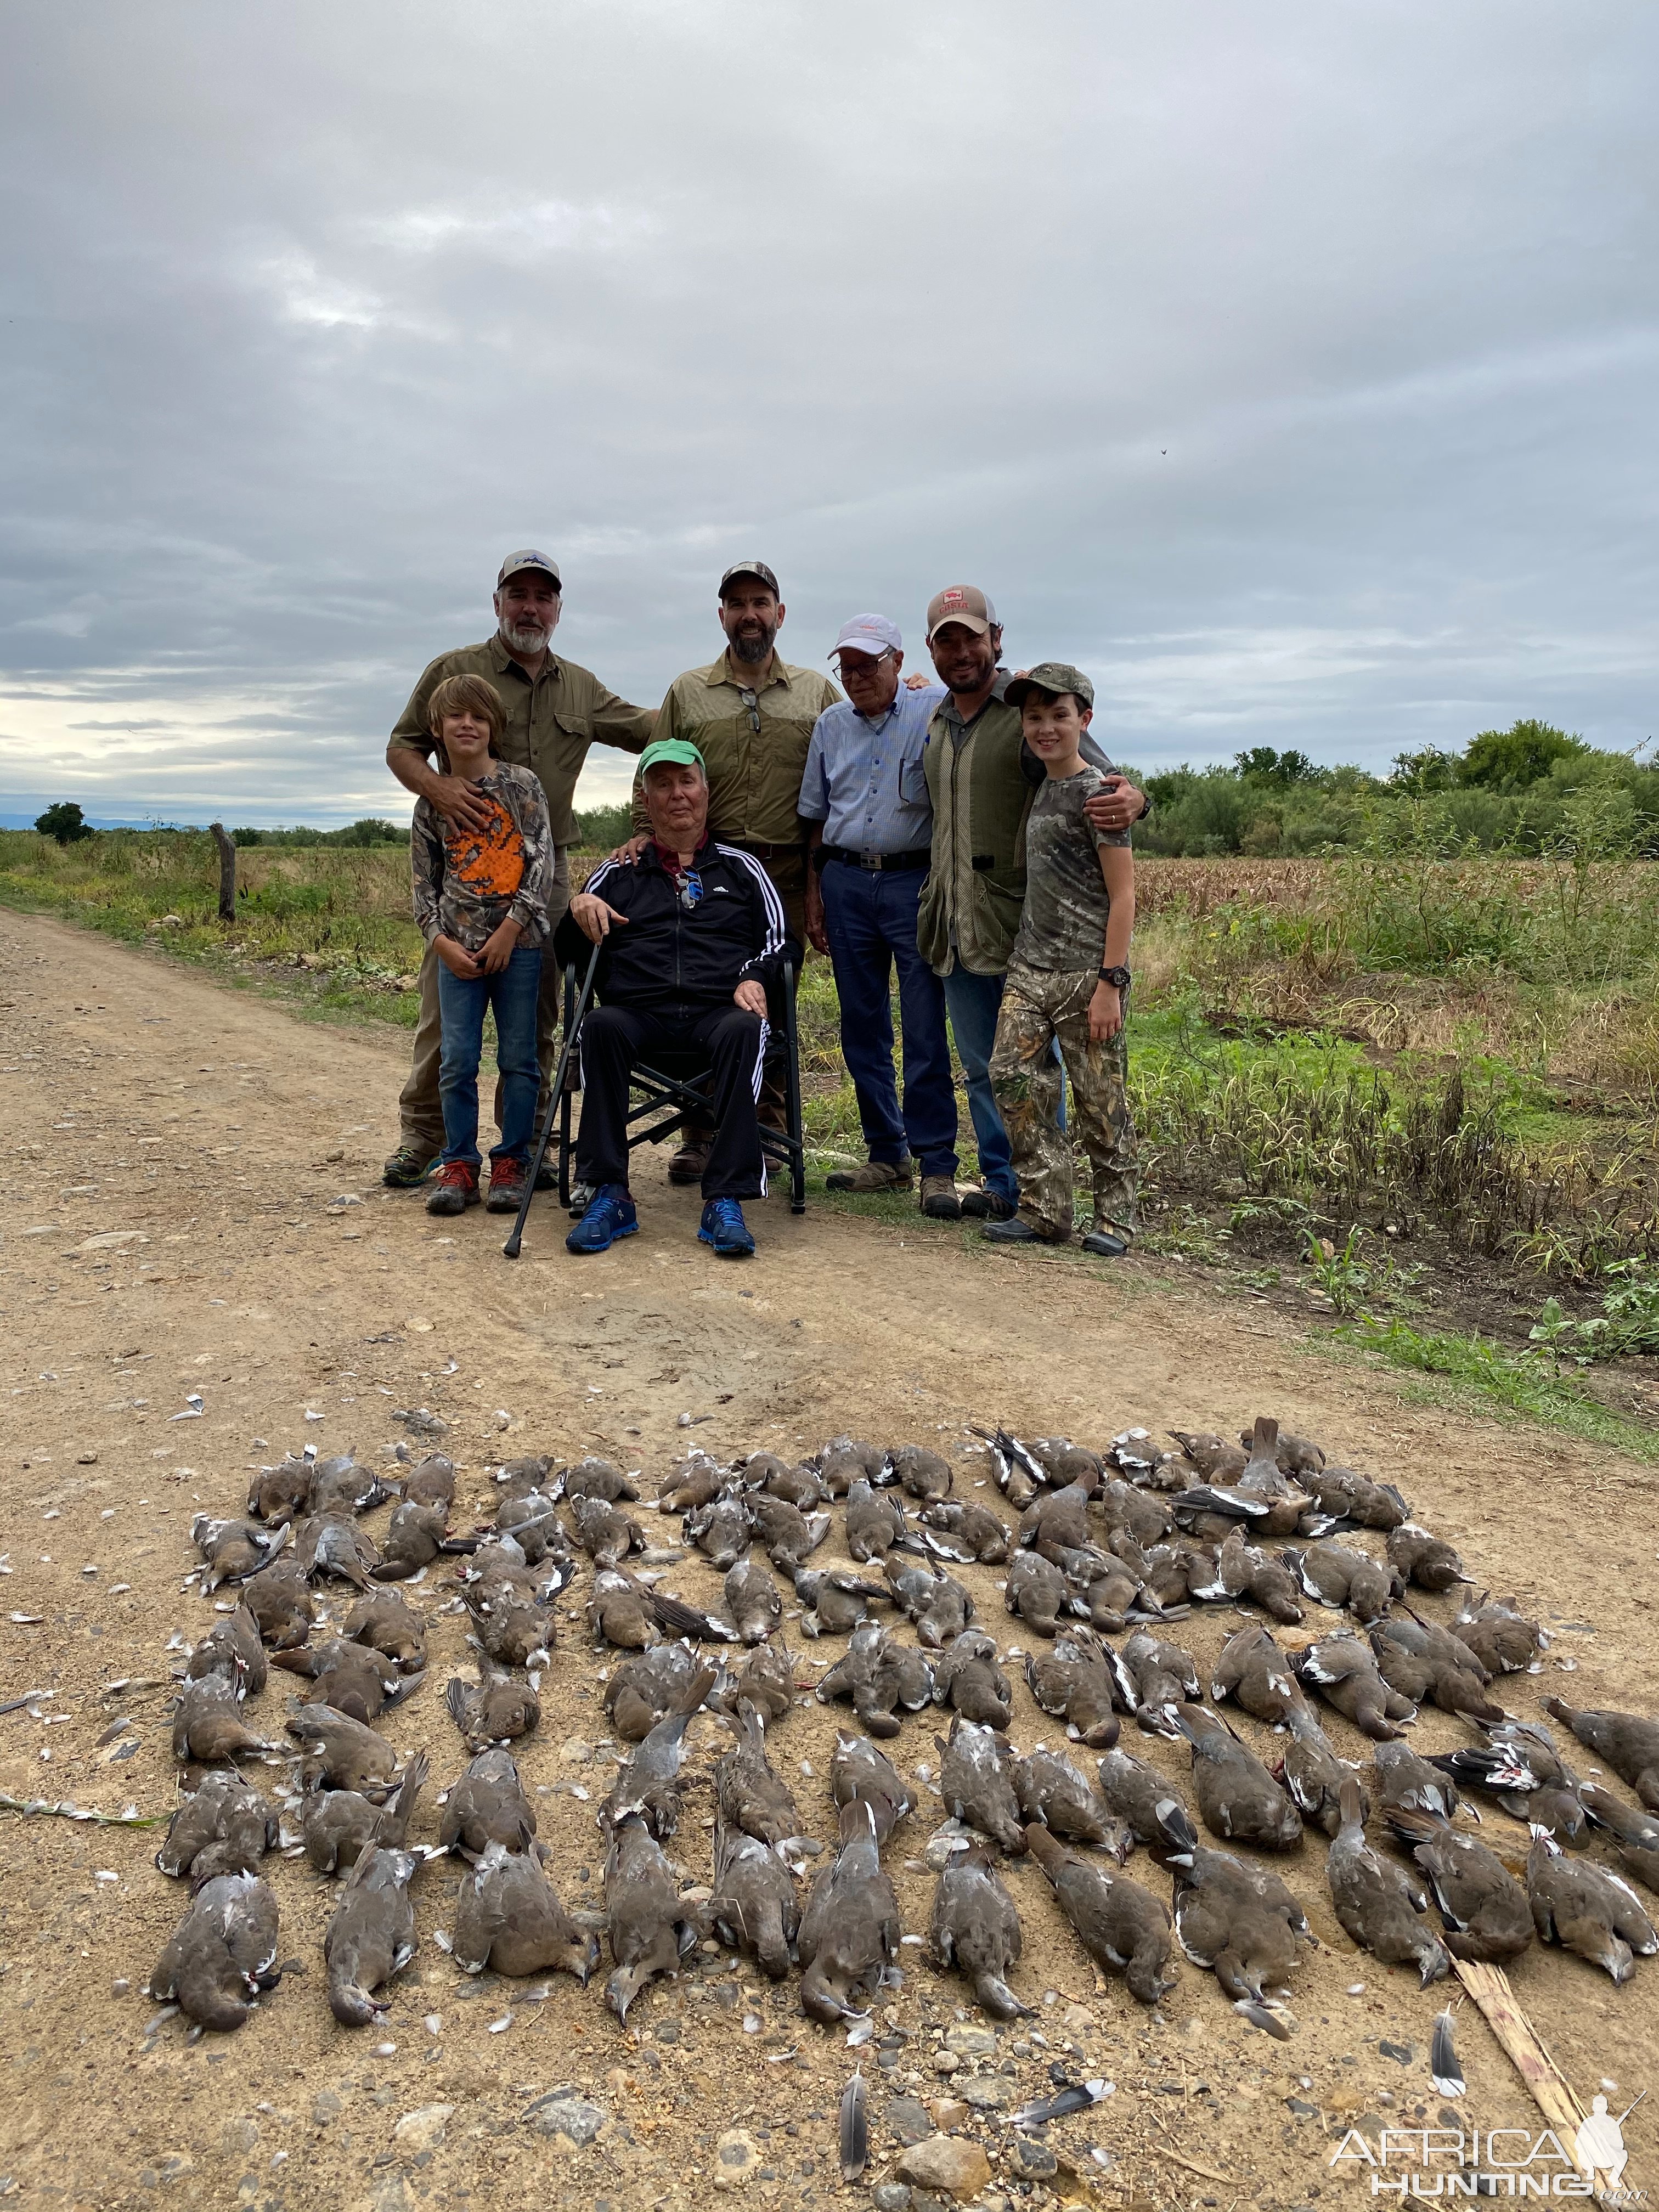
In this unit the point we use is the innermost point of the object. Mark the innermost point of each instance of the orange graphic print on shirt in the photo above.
(489, 862)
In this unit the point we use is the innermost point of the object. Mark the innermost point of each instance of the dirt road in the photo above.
(192, 1212)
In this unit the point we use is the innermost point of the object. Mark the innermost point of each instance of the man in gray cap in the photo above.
(980, 780)
(554, 711)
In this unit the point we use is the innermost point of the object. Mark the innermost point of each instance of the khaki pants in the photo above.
(419, 1111)
(1040, 1006)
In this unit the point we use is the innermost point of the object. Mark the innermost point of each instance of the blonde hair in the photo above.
(461, 694)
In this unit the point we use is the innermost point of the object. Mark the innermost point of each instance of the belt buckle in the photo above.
(871, 862)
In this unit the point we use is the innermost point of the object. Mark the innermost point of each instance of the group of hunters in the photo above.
(966, 832)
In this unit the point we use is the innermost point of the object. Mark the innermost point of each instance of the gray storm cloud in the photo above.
(1289, 368)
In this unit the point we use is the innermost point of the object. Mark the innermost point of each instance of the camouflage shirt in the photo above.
(468, 882)
(1064, 922)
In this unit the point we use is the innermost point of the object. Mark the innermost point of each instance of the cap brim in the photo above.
(975, 622)
(871, 647)
(530, 568)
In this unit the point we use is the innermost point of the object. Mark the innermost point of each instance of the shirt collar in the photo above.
(999, 695)
(724, 671)
(504, 664)
(655, 857)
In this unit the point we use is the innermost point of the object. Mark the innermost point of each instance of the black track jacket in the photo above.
(668, 957)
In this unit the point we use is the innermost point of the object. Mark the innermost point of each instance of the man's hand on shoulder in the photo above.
(593, 917)
(751, 997)
(915, 681)
(1116, 805)
(630, 852)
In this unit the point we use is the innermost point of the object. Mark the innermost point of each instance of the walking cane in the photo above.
(571, 1030)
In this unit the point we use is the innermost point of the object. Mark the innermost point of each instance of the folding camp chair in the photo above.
(677, 1090)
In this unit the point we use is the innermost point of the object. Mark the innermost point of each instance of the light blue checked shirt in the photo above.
(864, 780)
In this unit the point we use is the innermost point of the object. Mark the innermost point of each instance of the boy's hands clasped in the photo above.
(490, 958)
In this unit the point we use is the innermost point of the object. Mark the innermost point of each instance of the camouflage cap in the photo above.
(757, 570)
(1055, 676)
(961, 603)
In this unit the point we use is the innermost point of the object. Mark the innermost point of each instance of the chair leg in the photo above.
(791, 1100)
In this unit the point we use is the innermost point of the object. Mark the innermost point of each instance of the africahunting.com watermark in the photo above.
(1513, 2162)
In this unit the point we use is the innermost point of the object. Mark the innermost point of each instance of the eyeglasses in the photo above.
(753, 704)
(691, 889)
(863, 664)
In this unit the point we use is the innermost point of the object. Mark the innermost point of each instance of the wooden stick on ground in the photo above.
(1551, 2091)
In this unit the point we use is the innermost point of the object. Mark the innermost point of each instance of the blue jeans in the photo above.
(461, 1003)
(973, 1003)
(870, 919)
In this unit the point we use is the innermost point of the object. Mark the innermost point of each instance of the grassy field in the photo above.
(1414, 1094)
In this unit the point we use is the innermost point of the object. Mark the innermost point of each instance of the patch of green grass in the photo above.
(1476, 1372)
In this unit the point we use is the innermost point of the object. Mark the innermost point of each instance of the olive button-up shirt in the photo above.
(551, 720)
(753, 737)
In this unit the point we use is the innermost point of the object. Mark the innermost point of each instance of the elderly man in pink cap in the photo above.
(866, 797)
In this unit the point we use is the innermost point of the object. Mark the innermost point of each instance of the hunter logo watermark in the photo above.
(1513, 2162)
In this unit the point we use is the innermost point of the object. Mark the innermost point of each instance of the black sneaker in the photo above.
(409, 1165)
(1016, 1229)
(1104, 1243)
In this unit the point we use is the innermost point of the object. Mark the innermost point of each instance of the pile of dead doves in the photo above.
(1112, 1550)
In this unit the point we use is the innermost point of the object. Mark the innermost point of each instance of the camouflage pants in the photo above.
(1040, 1006)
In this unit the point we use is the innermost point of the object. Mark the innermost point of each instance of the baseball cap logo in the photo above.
(953, 597)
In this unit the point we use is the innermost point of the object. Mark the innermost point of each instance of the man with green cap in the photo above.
(554, 711)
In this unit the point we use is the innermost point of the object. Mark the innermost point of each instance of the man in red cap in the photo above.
(554, 711)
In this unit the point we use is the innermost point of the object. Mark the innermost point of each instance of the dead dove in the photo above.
(528, 1472)
(800, 1486)
(1019, 1474)
(280, 1601)
(875, 1522)
(1427, 1560)
(753, 1599)
(1628, 1742)
(233, 1550)
(695, 1481)
(208, 1724)
(1342, 1494)
(221, 1953)
(937, 1603)
(975, 1931)
(1406, 1780)
(620, 1612)
(1065, 1461)
(1256, 1675)
(1244, 1571)
(1132, 1792)
(748, 1795)
(1121, 1926)
(508, 1918)
(387, 1624)
(649, 1784)
(340, 1485)
(872, 1676)
(1036, 1591)
(836, 1599)
(859, 1769)
(350, 1676)
(923, 1475)
(1314, 1774)
(641, 1691)
(1073, 1683)
(977, 1788)
(1113, 1588)
(430, 1481)
(766, 1678)
(231, 1647)
(1343, 1671)
(1337, 1575)
(340, 1753)
(970, 1682)
(223, 1827)
(371, 1937)
(1520, 1766)
(1292, 1455)
(339, 1825)
(1131, 1512)
(849, 1932)
(1051, 1790)
(531, 1519)
(788, 1535)
(488, 1805)
(1237, 1919)
(1216, 1458)
(1635, 1835)
(844, 1461)
(1501, 1638)
(334, 1544)
(753, 1905)
(415, 1536)
(598, 1478)
(1381, 1905)
(968, 1533)
(281, 1493)
(1484, 1909)
(650, 1927)
(1061, 1517)
(1412, 1658)
(720, 1530)
(499, 1708)
(1151, 1679)
(1587, 1909)
(606, 1534)
(1237, 1798)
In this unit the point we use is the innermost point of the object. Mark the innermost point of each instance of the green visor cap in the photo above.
(1054, 676)
(679, 751)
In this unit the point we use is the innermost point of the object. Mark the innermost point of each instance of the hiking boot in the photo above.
(984, 1205)
(454, 1189)
(724, 1227)
(547, 1176)
(409, 1165)
(939, 1202)
(507, 1181)
(609, 1216)
(1016, 1229)
(687, 1164)
(1104, 1243)
(874, 1175)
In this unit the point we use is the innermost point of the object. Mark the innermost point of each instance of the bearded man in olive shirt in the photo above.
(554, 711)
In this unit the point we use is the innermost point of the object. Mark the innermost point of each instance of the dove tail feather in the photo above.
(854, 2128)
(1443, 2058)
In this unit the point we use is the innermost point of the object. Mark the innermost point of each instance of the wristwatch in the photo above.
(1117, 977)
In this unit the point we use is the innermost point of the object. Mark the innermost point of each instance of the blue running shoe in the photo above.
(610, 1215)
(725, 1228)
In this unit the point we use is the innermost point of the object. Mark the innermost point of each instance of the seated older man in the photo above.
(690, 932)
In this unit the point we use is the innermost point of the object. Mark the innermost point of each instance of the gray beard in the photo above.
(753, 650)
(525, 637)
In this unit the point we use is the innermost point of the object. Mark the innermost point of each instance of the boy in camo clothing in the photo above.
(1069, 981)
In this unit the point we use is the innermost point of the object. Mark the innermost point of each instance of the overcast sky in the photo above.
(1290, 368)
